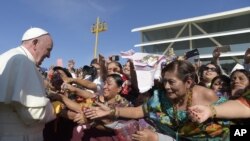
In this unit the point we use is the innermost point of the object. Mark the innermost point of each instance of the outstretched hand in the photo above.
(66, 86)
(80, 118)
(199, 113)
(54, 96)
(96, 112)
(65, 78)
(145, 135)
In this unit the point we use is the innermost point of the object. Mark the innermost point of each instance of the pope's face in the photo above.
(43, 48)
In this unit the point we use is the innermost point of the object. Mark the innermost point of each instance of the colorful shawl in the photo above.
(160, 111)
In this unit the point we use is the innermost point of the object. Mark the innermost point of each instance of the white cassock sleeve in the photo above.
(35, 114)
(22, 87)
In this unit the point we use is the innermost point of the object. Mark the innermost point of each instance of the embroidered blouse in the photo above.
(159, 110)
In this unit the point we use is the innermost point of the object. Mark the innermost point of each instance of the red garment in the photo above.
(125, 87)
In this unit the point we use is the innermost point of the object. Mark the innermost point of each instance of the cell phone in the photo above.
(192, 53)
(224, 48)
(115, 58)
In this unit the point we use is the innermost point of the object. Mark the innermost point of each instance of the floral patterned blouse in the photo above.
(160, 111)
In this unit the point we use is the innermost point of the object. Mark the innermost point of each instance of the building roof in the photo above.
(204, 18)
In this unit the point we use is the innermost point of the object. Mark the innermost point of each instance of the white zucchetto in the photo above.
(33, 32)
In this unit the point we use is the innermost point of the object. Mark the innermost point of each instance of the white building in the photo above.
(204, 32)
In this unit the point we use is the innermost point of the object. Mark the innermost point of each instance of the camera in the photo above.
(89, 71)
(114, 58)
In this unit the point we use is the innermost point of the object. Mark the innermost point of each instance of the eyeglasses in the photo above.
(211, 69)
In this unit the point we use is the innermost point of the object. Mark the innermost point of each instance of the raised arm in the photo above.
(85, 83)
(68, 103)
(216, 59)
(77, 91)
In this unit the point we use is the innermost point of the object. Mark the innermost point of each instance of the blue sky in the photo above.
(69, 22)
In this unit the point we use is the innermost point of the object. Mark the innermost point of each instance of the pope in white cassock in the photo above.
(24, 108)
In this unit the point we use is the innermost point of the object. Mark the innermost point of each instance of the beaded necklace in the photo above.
(189, 104)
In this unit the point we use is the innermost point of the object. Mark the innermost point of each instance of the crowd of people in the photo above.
(102, 101)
